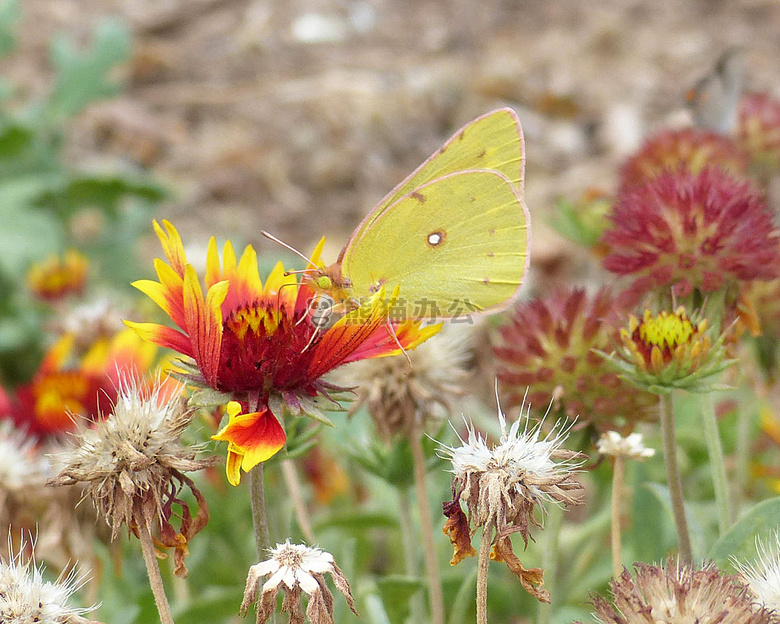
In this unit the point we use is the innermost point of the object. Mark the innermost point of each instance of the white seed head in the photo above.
(522, 456)
(20, 464)
(402, 398)
(630, 447)
(296, 568)
(25, 597)
(130, 460)
(763, 576)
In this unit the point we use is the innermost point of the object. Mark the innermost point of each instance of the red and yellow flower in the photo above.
(257, 343)
(58, 276)
(70, 385)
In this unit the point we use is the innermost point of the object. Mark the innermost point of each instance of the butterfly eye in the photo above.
(324, 282)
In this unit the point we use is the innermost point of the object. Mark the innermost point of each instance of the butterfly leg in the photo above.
(391, 331)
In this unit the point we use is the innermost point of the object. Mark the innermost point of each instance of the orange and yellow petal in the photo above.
(163, 336)
(172, 245)
(367, 333)
(58, 354)
(281, 287)
(253, 438)
(204, 322)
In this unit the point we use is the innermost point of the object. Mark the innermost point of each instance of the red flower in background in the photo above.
(758, 132)
(69, 385)
(691, 149)
(692, 230)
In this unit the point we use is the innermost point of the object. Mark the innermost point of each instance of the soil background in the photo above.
(297, 116)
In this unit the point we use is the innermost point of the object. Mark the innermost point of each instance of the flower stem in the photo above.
(435, 594)
(618, 478)
(153, 570)
(294, 488)
(417, 605)
(482, 572)
(666, 413)
(717, 464)
(550, 557)
(259, 519)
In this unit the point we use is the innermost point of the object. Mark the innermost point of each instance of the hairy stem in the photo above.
(153, 570)
(618, 479)
(435, 594)
(482, 572)
(717, 463)
(294, 488)
(666, 414)
(259, 518)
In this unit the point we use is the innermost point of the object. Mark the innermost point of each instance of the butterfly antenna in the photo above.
(288, 247)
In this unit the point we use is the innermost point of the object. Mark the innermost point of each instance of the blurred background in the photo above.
(298, 116)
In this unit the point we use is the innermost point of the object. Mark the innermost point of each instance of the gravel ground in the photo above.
(297, 116)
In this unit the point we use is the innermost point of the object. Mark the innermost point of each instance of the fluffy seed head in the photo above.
(132, 465)
(763, 575)
(678, 594)
(25, 597)
(402, 399)
(296, 569)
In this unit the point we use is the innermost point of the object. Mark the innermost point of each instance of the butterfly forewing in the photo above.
(456, 245)
(493, 141)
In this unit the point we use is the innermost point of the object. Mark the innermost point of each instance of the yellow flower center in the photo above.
(666, 330)
(254, 318)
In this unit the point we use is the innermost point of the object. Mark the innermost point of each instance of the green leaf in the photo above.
(14, 139)
(695, 530)
(740, 540)
(9, 19)
(357, 521)
(397, 591)
(83, 77)
(28, 235)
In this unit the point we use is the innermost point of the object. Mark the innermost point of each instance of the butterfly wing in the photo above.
(493, 141)
(456, 245)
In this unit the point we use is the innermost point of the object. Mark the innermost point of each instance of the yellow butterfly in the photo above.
(454, 234)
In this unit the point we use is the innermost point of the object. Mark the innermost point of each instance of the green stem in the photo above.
(617, 490)
(153, 570)
(410, 542)
(293, 484)
(435, 594)
(482, 572)
(552, 538)
(717, 463)
(742, 458)
(259, 519)
(666, 413)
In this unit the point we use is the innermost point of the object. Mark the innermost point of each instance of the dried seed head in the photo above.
(675, 593)
(132, 466)
(502, 485)
(296, 568)
(25, 597)
(402, 400)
